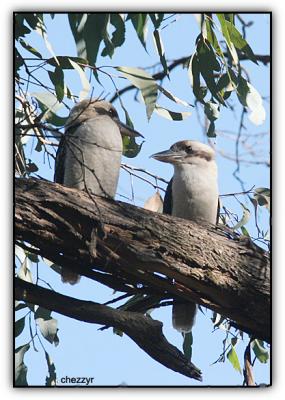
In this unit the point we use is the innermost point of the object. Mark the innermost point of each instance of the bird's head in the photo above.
(186, 152)
(88, 108)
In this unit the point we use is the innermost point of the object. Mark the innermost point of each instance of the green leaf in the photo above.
(20, 367)
(242, 91)
(261, 353)
(172, 115)
(51, 379)
(55, 120)
(20, 29)
(156, 19)
(249, 97)
(94, 31)
(194, 76)
(88, 31)
(47, 101)
(187, 345)
(118, 36)
(47, 325)
(160, 50)
(233, 358)
(84, 81)
(227, 37)
(24, 272)
(18, 61)
(65, 63)
(206, 55)
(172, 97)
(57, 78)
(109, 46)
(245, 218)
(211, 110)
(212, 37)
(239, 42)
(41, 30)
(30, 48)
(211, 132)
(33, 19)
(244, 231)
(130, 148)
(139, 22)
(262, 196)
(208, 63)
(145, 82)
(19, 326)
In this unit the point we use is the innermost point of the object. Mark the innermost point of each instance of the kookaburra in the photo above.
(192, 193)
(90, 151)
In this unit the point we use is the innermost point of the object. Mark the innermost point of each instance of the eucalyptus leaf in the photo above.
(84, 81)
(20, 368)
(47, 325)
(259, 350)
(57, 78)
(143, 81)
(212, 110)
(130, 148)
(245, 218)
(19, 326)
(239, 42)
(262, 196)
(24, 272)
(225, 32)
(172, 115)
(171, 96)
(233, 358)
(29, 48)
(51, 379)
(139, 21)
(160, 49)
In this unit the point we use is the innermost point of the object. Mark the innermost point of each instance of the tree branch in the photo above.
(159, 76)
(148, 252)
(143, 330)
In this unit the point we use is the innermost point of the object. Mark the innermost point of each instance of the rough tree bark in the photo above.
(137, 251)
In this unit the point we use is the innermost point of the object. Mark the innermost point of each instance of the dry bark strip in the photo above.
(132, 249)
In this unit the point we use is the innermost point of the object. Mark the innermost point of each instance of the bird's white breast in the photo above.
(195, 191)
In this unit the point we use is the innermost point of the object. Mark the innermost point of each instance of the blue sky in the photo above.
(110, 359)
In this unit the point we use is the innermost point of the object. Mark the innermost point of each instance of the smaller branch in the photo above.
(144, 331)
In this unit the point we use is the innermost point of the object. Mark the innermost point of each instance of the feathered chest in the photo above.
(195, 191)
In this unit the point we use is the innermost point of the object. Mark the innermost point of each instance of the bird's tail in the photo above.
(68, 276)
(183, 316)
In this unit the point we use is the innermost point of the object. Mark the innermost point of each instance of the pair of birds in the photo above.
(89, 158)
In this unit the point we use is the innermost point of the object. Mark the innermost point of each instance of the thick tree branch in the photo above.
(148, 251)
(144, 331)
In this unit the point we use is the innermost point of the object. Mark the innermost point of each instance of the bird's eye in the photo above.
(188, 149)
(113, 112)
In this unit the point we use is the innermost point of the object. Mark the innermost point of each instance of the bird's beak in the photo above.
(127, 130)
(168, 156)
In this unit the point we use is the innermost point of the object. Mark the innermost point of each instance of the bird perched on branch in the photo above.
(89, 154)
(192, 194)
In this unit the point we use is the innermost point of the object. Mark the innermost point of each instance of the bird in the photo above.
(89, 153)
(192, 193)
